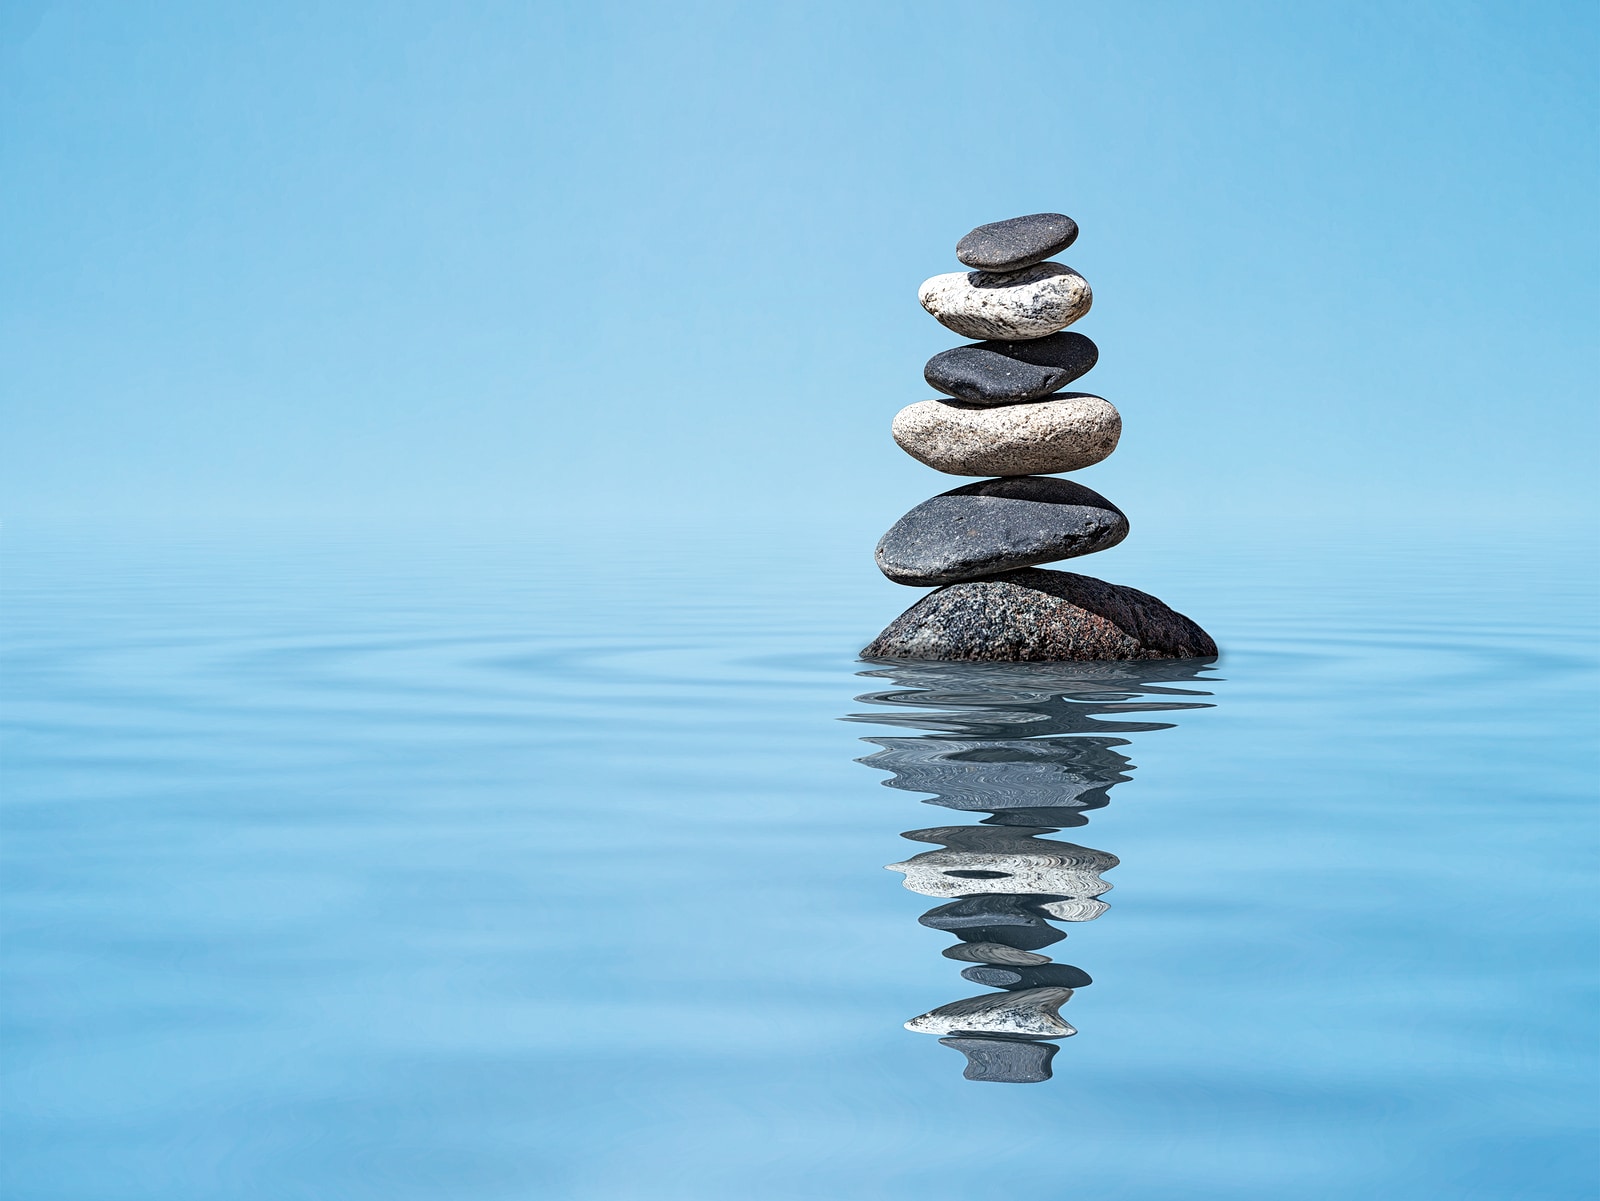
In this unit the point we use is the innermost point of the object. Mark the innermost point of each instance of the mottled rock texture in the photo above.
(999, 525)
(1009, 305)
(993, 952)
(1074, 909)
(1028, 1012)
(1004, 1060)
(1018, 242)
(998, 373)
(1039, 437)
(1031, 865)
(1035, 615)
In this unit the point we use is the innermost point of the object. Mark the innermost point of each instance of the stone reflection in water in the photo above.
(1036, 747)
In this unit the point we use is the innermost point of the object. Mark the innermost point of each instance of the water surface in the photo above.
(493, 868)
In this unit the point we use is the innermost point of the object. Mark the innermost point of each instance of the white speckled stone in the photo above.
(1012, 306)
(1041, 437)
(1074, 909)
(1028, 865)
(1026, 1013)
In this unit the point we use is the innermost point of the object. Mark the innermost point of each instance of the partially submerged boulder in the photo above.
(1033, 615)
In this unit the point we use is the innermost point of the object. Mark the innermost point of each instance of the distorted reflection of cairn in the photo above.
(1003, 414)
(1026, 744)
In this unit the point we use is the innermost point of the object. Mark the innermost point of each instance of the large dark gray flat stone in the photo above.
(996, 373)
(999, 525)
(1018, 242)
(1033, 615)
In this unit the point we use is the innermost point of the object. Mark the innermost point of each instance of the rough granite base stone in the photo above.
(1033, 615)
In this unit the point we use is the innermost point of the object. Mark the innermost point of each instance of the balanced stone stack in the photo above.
(1003, 415)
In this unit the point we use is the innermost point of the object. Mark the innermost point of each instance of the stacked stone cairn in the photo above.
(1003, 415)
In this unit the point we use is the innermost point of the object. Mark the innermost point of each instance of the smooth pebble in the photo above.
(1009, 305)
(1041, 437)
(997, 525)
(1017, 242)
(999, 373)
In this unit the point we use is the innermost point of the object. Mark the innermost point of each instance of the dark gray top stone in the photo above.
(1038, 616)
(1017, 243)
(998, 373)
(998, 525)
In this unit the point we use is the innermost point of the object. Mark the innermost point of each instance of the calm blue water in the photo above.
(476, 869)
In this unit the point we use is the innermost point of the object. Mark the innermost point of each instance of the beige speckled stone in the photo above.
(1012, 306)
(1068, 431)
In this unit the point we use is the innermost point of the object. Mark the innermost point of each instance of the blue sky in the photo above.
(541, 263)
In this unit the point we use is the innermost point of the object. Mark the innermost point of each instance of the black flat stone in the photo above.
(1017, 243)
(998, 525)
(998, 373)
(1003, 840)
(1004, 1060)
(1044, 975)
(994, 917)
(1057, 816)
